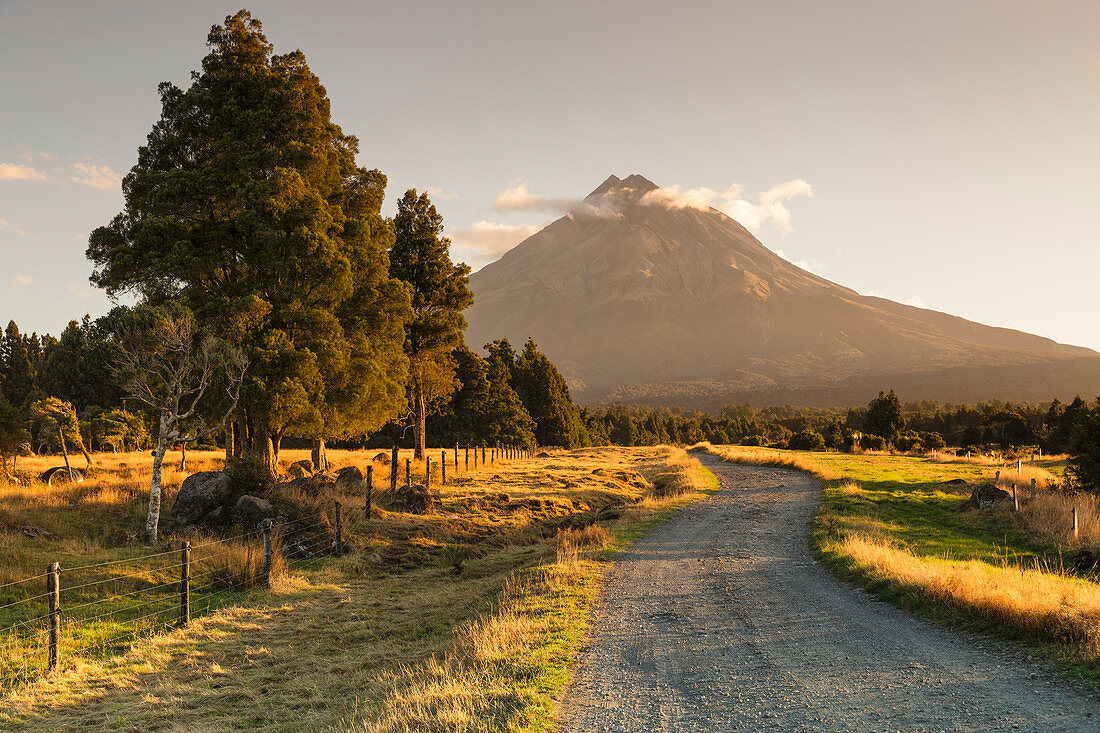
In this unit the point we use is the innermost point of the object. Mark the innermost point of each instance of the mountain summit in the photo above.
(639, 296)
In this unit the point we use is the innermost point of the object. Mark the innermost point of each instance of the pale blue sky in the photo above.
(951, 147)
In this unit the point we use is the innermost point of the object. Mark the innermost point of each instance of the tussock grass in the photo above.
(389, 638)
(1028, 602)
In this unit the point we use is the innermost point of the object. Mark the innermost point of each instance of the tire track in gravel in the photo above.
(720, 620)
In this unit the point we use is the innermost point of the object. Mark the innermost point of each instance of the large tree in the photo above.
(440, 292)
(884, 416)
(18, 373)
(246, 205)
(546, 396)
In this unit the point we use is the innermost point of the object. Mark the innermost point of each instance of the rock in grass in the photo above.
(251, 510)
(987, 495)
(413, 499)
(382, 458)
(349, 479)
(200, 494)
(300, 469)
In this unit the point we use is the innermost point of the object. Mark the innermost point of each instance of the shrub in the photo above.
(869, 441)
(807, 440)
(756, 441)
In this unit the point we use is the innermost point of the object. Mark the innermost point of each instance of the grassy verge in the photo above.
(391, 637)
(901, 527)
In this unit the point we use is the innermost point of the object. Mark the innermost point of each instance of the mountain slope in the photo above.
(638, 300)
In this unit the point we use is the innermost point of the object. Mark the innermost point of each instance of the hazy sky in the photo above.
(944, 154)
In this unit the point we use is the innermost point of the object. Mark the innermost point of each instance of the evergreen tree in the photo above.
(18, 381)
(484, 409)
(884, 416)
(546, 397)
(1083, 467)
(440, 292)
(246, 205)
(13, 433)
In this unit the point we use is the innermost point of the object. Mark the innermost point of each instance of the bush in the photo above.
(807, 440)
(872, 442)
(933, 441)
(756, 441)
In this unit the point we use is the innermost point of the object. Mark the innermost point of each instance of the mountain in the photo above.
(639, 299)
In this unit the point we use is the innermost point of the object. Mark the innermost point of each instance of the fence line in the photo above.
(75, 629)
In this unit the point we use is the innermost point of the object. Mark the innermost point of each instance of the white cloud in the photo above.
(96, 176)
(815, 266)
(80, 291)
(23, 280)
(17, 172)
(876, 293)
(486, 241)
(5, 225)
(439, 194)
(770, 207)
(917, 301)
(517, 198)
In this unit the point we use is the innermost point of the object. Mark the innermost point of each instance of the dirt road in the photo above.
(720, 620)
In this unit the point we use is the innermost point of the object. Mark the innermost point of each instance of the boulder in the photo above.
(251, 510)
(217, 515)
(987, 495)
(413, 499)
(318, 483)
(300, 469)
(60, 475)
(200, 494)
(381, 457)
(349, 479)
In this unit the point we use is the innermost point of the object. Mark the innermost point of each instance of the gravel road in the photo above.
(720, 620)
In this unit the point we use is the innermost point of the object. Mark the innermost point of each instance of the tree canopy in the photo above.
(440, 292)
(246, 205)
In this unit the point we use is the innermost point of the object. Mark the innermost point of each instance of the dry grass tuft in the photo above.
(1034, 602)
(592, 536)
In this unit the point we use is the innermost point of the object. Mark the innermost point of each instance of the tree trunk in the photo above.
(276, 446)
(238, 438)
(87, 456)
(421, 422)
(261, 449)
(230, 444)
(183, 457)
(319, 456)
(153, 521)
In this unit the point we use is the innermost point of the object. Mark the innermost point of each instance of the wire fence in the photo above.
(76, 620)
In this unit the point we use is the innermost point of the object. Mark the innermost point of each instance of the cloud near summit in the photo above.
(769, 208)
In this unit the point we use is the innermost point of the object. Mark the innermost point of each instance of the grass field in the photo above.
(388, 638)
(894, 524)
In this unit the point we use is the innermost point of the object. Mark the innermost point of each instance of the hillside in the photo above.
(643, 302)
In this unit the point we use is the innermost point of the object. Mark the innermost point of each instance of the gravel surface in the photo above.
(720, 620)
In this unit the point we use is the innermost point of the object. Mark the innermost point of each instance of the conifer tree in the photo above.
(546, 396)
(247, 206)
(18, 382)
(440, 292)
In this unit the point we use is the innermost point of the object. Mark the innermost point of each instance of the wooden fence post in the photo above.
(1074, 522)
(427, 472)
(467, 458)
(394, 468)
(408, 472)
(443, 467)
(1032, 488)
(456, 457)
(338, 535)
(267, 553)
(1015, 499)
(53, 606)
(475, 457)
(369, 485)
(483, 456)
(185, 583)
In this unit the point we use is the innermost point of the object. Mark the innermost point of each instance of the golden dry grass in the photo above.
(1035, 602)
(398, 642)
